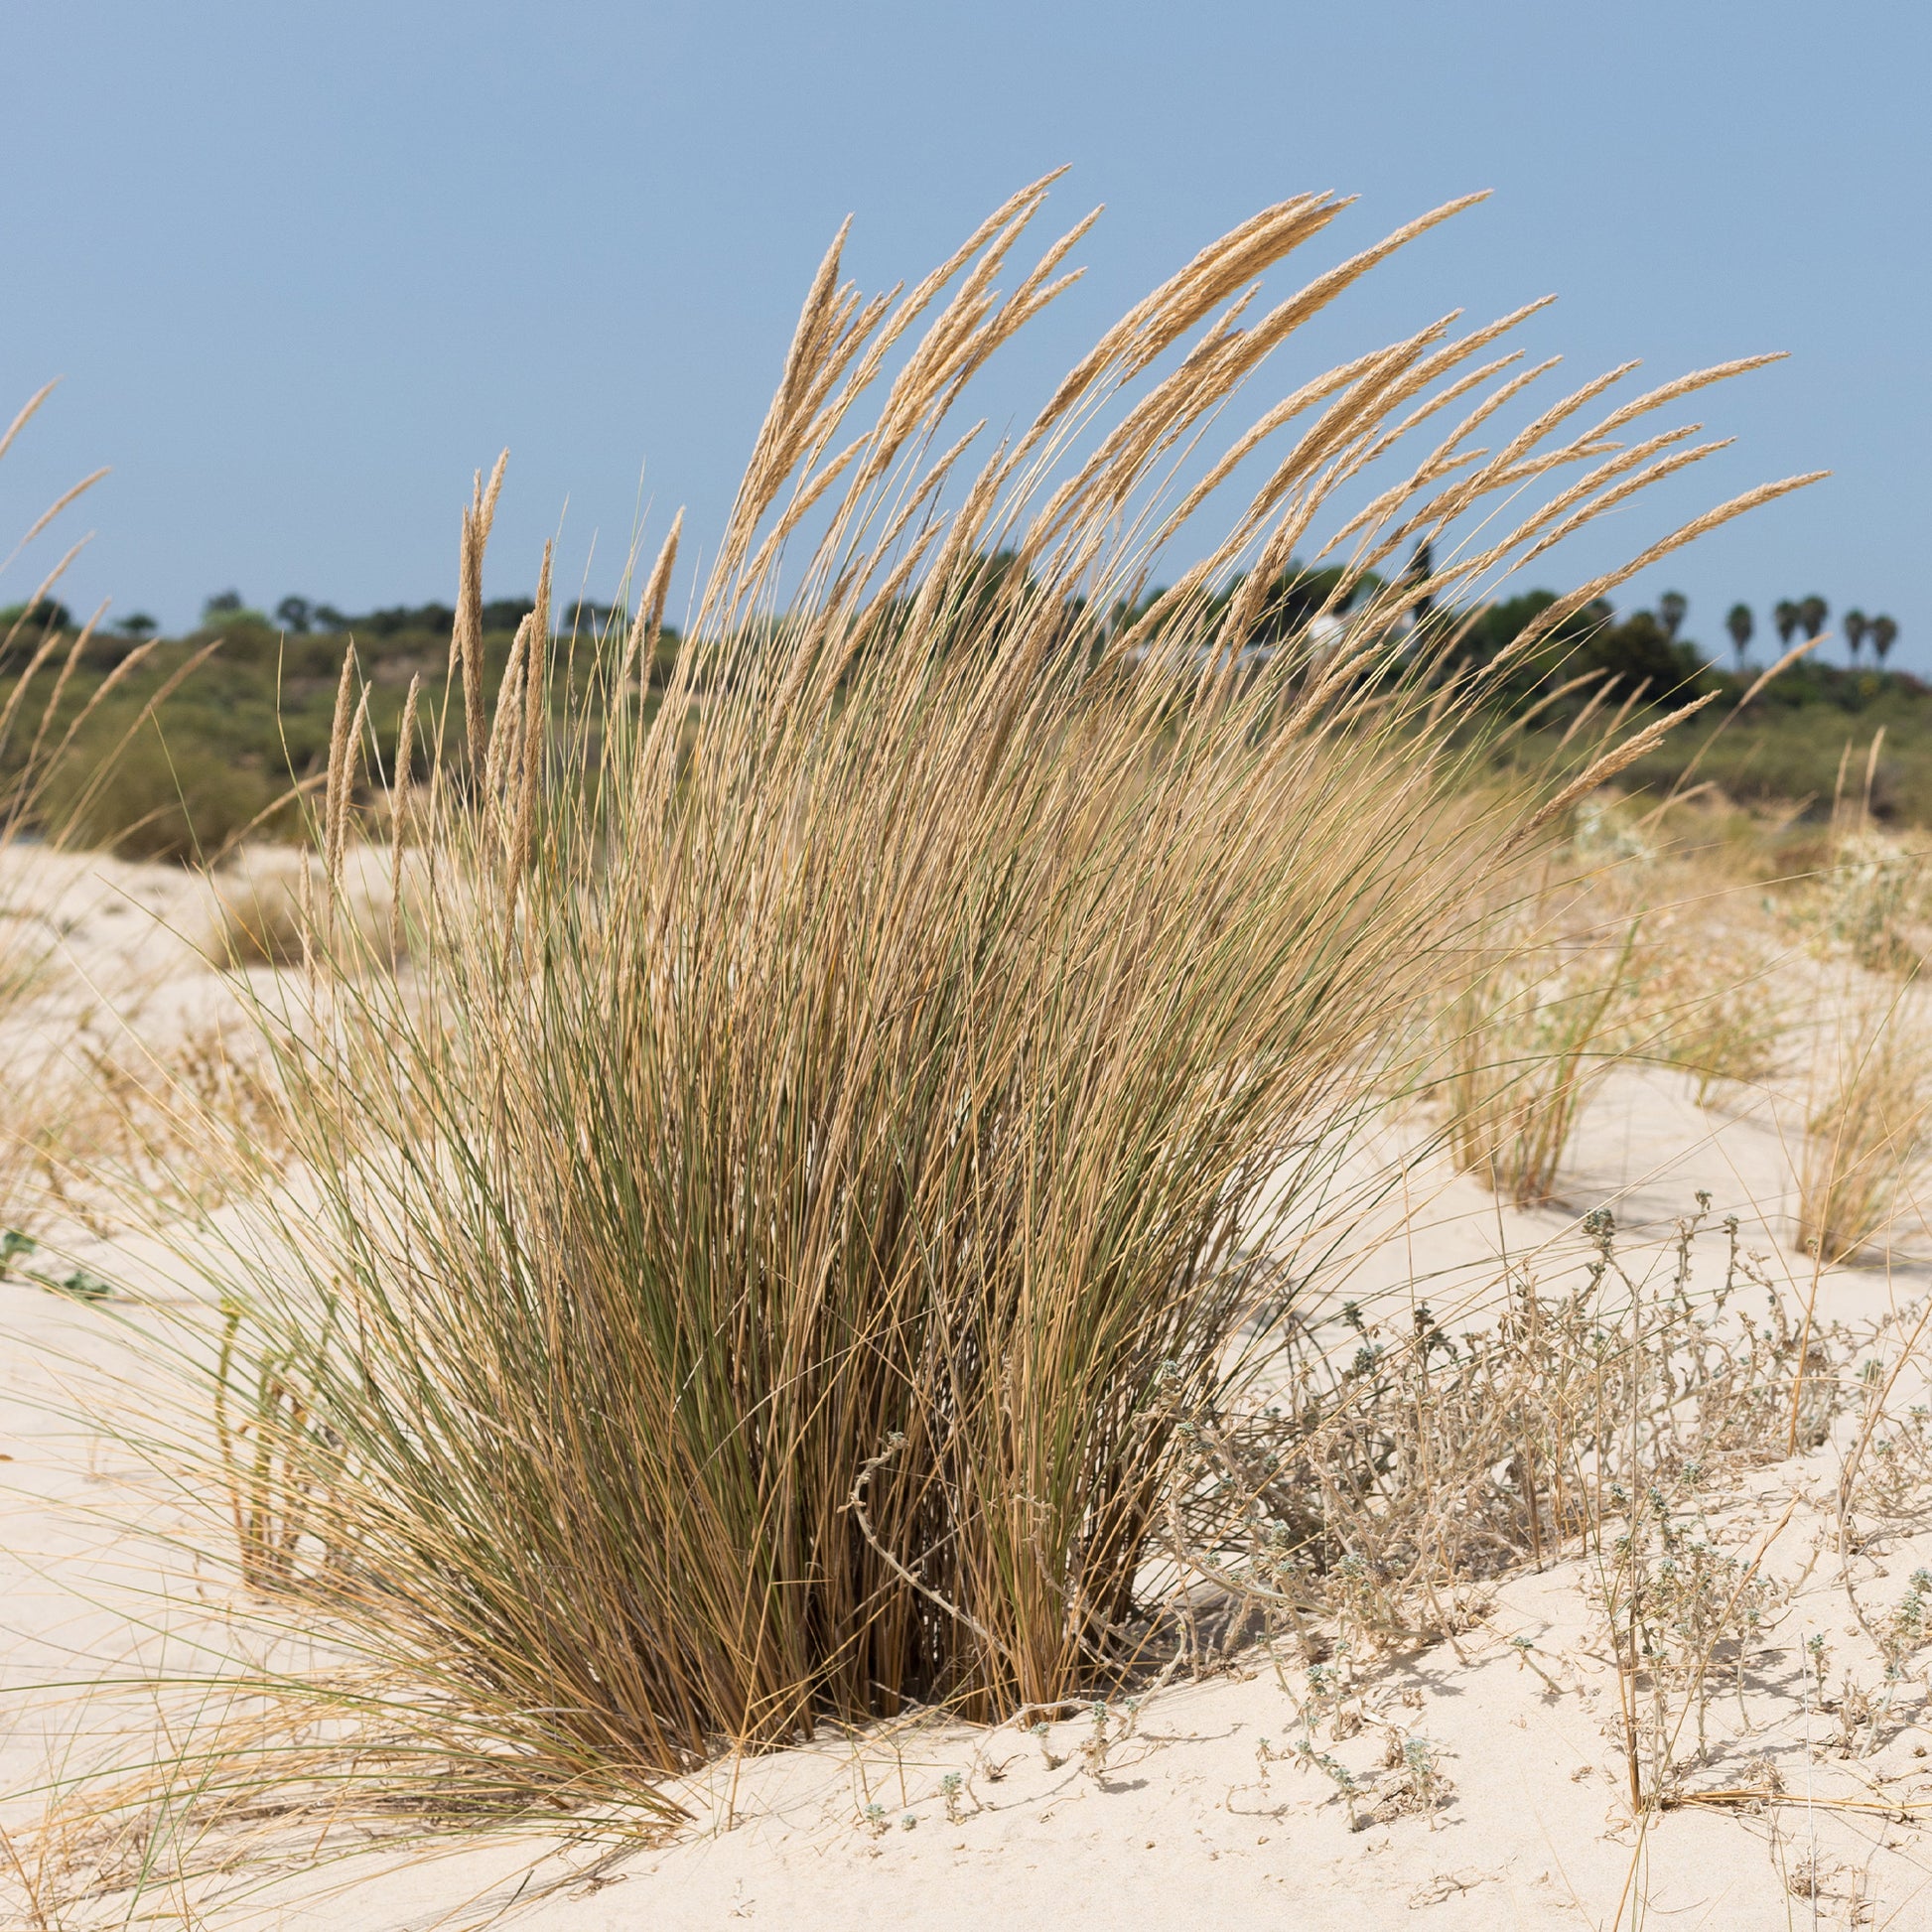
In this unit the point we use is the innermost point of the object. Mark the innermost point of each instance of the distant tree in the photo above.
(26, 628)
(1499, 626)
(324, 616)
(224, 604)
(1741, 624)
(1671, 607)
(1855, 626)
(1640, 654)
(1627, 655)
(1812, 612)
(1784, 613)
(43, 614)
(1293, 600)
(137, 625)
(587, 616)
(295, 613)
(506, 612)
(400, 619)
(1883, 632)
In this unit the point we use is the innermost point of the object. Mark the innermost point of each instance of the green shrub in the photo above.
(155, 799)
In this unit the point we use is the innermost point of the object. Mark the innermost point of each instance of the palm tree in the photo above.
(1741, 624)
(1855, 626)
(1811, 614)
(1784, 613)
(1883, 632)
(1670, 611)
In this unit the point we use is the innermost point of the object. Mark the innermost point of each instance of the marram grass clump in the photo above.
(755, 1259)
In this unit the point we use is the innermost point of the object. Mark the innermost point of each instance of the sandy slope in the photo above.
(1186, 1823)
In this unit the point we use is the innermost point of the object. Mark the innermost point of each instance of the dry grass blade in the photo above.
(465, 641)
(1608, 765)
(642, 649)
(401, 790)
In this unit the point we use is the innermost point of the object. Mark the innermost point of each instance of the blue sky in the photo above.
(304, 268)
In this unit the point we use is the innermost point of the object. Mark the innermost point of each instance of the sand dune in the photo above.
(1189, 1811)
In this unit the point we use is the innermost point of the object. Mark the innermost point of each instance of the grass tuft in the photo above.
(1868, 1134)
(753, 1268)
(1527, 1042)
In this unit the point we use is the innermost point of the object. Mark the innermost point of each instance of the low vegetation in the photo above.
(1524, 1045)
(1870, 1131)
(229, 745)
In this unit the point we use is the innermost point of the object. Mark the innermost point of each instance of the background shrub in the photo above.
(153, 798)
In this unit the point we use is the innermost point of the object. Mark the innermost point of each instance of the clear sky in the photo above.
(304, 268)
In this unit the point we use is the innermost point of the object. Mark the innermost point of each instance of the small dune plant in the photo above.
(1872, 901)
(1365, 1500)
(752, 1269)
(267, 913)
(1730, 1030)
(264, 920)
(1711, 999)
(1525, 1042)
(1864, 896)
(1868, 1132)
(43, 722)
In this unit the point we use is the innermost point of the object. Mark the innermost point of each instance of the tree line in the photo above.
(1790, 615)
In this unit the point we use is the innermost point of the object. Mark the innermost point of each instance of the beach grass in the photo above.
(753, 1267)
